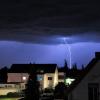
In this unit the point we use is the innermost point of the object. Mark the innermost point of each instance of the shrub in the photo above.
(13, 94)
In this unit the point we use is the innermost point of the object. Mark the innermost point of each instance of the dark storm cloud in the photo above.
(24, 20)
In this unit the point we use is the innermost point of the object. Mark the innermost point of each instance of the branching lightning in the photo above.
(70, 57)
(70, 54)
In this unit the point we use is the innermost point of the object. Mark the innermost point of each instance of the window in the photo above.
(93, 91)
(49, 78)
(61, 77)
(39, 77)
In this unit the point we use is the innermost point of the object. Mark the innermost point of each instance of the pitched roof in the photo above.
(88, 68)
(27, 68)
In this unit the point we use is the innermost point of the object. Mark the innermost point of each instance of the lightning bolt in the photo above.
(70, 54)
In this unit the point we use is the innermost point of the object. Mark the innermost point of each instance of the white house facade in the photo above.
(88, 87)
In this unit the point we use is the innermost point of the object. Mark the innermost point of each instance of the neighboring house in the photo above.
(67, 75)
(47, 74)
(87, 87)
(61, 74)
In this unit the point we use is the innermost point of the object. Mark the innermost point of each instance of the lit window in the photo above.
(24, 78)
(39, 77)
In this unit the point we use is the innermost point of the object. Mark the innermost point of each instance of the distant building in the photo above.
(61, 74)
(87, 87)
(47, 74)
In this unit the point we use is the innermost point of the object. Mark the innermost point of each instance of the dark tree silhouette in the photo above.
(66, 66)
(32, 87)
(3, 74)
(74, 67)
(60, 91)
(83, 67)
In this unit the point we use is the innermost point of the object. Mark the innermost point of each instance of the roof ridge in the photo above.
(86, 71)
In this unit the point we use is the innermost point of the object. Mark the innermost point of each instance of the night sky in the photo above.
(41, 30)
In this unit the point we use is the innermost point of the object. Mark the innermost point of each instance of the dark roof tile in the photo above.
(27, 68)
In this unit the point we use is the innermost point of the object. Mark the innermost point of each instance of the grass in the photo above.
(8, 98)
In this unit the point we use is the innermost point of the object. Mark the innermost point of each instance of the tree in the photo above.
(66, 65)
(32, 87)
(3, 74)
(83, 67)
(75, 67)
(66, 69)
(60, 91)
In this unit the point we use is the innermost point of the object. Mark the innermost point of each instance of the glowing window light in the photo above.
(69, 81)
(24, 78)
(39, 78)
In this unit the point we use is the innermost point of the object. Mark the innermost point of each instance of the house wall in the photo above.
(7, 88)
(81, 91)
(63, 76)
(17, 77)
(48, 83)
(6, 91)
(55, 77)
(45, 83)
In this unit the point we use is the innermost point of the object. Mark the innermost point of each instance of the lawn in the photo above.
(8, 98)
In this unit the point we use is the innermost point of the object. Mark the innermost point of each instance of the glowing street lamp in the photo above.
(69, 81)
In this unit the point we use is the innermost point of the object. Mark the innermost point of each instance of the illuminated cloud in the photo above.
(51, 39)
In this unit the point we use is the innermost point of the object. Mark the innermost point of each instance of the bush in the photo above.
(60, 91)
(47, 90)
(32, 88)
(13, 94)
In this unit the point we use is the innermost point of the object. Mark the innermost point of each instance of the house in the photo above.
(6, 88)
(68, 75)
(61, 74)
(87, 87)
(47, 74)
